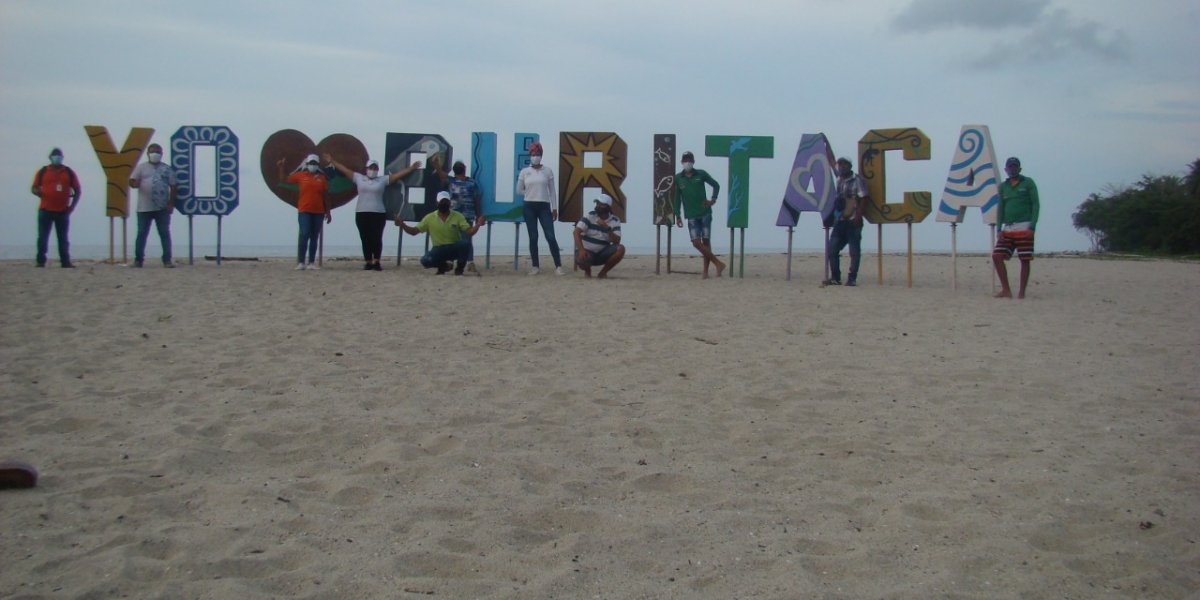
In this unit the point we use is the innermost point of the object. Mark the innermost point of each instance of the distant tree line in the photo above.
(1159, 214)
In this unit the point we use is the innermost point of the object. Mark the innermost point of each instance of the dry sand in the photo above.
(247, 431)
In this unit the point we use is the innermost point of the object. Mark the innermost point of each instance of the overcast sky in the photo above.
(1086, 93)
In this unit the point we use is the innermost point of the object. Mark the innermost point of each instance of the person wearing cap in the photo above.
(465, 196)
(449, 235)
(690, 192)
(370, 215)
(312, 204)
(156, 185)
(598, 239)
(847, 219)
(58, 192)
(1017, 215)
(536, 183)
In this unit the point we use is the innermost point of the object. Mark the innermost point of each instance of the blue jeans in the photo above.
(535, 212)
(844, 232)
(61, 221)
(310, 233)
(162, 222)
(438, 255)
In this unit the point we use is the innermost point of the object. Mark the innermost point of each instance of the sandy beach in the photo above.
(248, 431)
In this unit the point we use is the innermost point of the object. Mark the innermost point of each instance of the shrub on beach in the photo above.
(1159, 214)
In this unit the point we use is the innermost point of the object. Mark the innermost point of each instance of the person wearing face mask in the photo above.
(689, 191)
(156, 185)
(449, 236)
(58, 191)
(369, 212)
(312, 204)
(536, 183)
(847, 223)
(598, 239)
(465, 196)
(1017, 215)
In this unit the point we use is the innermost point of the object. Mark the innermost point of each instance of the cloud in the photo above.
(1037, 34)
(1056, 37)
(922, 16)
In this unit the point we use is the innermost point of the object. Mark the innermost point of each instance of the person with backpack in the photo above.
(58, 189)
(156, 185)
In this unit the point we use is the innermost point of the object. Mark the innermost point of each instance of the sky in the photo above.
(1088, 93)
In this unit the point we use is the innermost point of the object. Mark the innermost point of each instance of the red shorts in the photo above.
(1020, 242)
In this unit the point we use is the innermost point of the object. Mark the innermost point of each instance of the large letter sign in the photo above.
(872, 149)
(118, 165)
(400, 147)
(664, 179)
(183, 159)
(972, 179)
(813, 164)
(739, 149)
(574, 176)
(483, 171)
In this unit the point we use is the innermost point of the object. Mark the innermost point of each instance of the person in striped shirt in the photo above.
(598, 239)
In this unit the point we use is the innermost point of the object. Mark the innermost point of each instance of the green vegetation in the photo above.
(1159, 214)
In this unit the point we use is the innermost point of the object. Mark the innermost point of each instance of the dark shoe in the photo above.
(137, 264)
(850, 283)
(168, 265)
(368, 267)
(41, 265)
(377, 267)
(458, 272)
(441, 270)
(832, 282)
(68, 265)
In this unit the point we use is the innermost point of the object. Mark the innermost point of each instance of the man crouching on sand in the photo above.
(449, 233)
(598, 239)
(1017, 215)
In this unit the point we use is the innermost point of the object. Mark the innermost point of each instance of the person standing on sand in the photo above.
(1017, 215)
(58, 189)
(465, 197)
(369, 212)
(847, 223)
(449, 234)
(156, 185)
(689, 191)
(312, 204)
(536, 183)
(598, 239)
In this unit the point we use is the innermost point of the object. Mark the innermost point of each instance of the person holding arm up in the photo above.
(370, 215)
(312, 204)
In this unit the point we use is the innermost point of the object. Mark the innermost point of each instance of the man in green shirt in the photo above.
(689, 191)
(449, 235)
(1017, 215)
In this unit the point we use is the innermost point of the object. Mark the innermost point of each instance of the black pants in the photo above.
(370, 229)
(61, 221)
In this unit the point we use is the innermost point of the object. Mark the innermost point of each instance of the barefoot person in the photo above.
(1017, 215)
(369, 213)
(847, 223)
(689, 191)
(598, 239)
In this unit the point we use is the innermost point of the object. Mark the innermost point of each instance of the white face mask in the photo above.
(155, 157)
(312, 168)
(372, 173)
(535, 160)
(687, 166)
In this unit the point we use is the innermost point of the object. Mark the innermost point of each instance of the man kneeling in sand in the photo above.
(449, 233)
(598, 239)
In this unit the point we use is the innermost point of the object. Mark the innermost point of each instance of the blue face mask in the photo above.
(56, 160)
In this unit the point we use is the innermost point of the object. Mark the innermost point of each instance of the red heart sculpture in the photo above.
(293, 146)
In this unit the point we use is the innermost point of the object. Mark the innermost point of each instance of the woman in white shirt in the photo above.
(536, 183)
(369, 213)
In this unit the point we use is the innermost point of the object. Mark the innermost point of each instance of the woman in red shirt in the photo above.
(312, 204)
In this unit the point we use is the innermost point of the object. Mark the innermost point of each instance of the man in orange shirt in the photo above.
(312, 204)
(58, 188)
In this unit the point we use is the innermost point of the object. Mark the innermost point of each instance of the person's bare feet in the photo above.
(720, 267)
(705, 275)
(601, 276)
(1021, 296)
(1003, 294)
